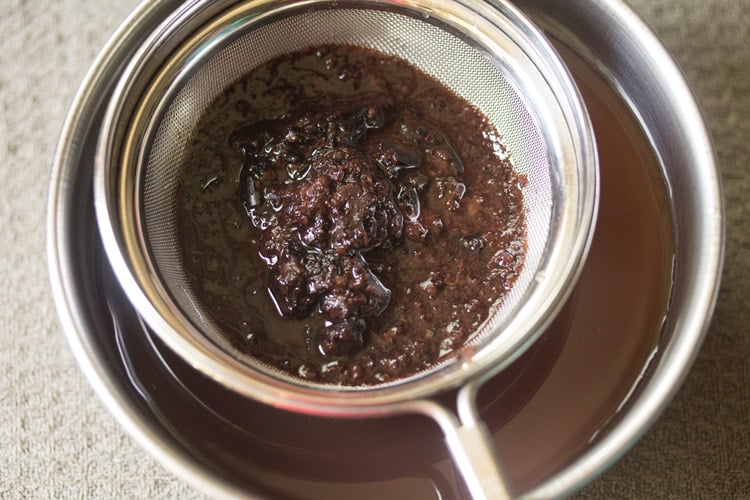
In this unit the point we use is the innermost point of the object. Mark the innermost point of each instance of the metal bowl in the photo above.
(607, 35)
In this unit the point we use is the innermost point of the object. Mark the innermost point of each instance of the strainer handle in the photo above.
(471, 446)
(475, 457)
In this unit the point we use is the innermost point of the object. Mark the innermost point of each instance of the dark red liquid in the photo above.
(543, 411)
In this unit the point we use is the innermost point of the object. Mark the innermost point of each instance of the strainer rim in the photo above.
(330, 399)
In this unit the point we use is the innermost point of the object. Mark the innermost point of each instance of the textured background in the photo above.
(58, 441)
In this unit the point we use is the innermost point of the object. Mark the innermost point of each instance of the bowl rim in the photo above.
(669, 372)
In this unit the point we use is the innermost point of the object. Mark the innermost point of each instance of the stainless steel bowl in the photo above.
(611, 38)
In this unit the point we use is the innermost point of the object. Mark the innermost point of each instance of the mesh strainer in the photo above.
(486, 52)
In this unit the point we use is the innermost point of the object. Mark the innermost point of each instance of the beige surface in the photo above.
(58, 440)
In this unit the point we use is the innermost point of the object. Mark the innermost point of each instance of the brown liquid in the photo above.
(543, 411)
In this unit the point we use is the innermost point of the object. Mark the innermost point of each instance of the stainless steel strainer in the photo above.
(486, 52)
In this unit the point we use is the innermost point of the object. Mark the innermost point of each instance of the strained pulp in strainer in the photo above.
(488, 55)
(346, 218)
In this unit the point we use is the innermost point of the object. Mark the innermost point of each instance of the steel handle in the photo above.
(474, 455)
(471, 445)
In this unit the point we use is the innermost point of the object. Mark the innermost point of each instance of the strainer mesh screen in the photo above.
(465, 69)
